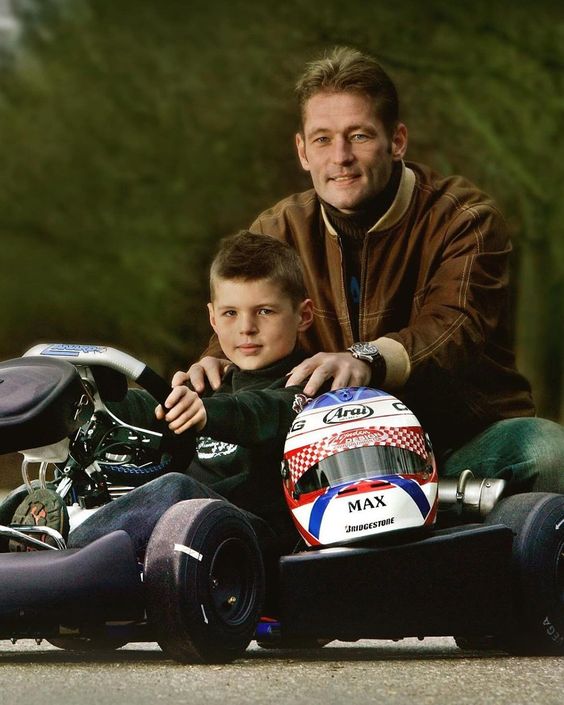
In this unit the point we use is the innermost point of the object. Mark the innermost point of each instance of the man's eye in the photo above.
(359, 137)
(322, 139)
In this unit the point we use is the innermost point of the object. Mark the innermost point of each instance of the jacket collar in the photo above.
(394, 213)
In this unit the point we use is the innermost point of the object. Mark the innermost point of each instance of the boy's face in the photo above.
(255, 322)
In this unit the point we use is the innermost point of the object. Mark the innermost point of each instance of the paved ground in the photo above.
(405, 673)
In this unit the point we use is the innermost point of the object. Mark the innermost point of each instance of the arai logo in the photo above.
(350, 412)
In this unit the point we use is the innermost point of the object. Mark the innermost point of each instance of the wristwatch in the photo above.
(370, 354)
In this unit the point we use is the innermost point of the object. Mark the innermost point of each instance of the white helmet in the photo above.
(356, 464)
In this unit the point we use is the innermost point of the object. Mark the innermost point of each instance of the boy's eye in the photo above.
(230, 313)
(265, 311)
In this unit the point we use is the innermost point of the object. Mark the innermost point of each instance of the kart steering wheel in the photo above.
(98, 356)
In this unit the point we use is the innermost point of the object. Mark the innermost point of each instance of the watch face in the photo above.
(365, 349)
(370, 353)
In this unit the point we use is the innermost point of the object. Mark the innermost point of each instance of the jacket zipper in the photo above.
(344, 292)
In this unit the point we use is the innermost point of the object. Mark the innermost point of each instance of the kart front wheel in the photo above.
(204, 579)
(537, 520)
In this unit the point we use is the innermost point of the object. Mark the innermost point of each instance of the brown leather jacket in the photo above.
(434, 287)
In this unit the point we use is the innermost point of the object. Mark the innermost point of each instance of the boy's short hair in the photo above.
(249, 256)
(348, 70)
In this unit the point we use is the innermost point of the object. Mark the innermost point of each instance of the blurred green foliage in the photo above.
(136, 133)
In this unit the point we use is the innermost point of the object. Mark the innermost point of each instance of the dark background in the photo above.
(135, 134)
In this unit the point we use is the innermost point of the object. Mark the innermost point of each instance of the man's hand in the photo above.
(210, 368)
(183, 409)
(343, 368)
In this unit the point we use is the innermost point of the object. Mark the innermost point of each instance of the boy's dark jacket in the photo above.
(239, 451)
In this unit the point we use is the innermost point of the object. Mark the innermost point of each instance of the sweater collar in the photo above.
(277, 369)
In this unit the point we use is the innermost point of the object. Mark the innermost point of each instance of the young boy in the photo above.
(258, 308)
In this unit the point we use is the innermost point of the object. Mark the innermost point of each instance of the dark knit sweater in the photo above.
(239, 451)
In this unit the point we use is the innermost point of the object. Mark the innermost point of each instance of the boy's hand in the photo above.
(343, 368)
(210, 368)
(183, 409)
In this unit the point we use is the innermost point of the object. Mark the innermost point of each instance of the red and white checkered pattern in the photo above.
(301, 459)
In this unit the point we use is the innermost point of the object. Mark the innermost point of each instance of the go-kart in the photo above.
(490, 573)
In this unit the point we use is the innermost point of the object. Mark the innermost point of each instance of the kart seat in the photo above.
(42, 401)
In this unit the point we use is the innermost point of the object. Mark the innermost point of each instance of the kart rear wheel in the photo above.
(204, 579)
(537, 519)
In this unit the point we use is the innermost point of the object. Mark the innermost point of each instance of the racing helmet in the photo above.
(358, 464)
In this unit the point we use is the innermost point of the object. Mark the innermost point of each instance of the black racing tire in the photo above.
(87, 644)
(537, 520)
(204, 580)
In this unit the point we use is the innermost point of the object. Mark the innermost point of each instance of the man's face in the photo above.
(255, 322)
(346, 149)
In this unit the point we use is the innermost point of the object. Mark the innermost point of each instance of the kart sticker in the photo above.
(181, 548)
(210, 448)
(299, 403)
(348, 412)
(351, 528)
(65, 350)
(358, 438)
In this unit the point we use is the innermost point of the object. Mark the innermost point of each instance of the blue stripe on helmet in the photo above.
(414, 490)
(318, 510)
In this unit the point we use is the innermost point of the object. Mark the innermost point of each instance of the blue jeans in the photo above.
(138, 511)
(526, 452)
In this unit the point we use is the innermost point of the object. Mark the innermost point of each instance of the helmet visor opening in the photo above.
(360, 464)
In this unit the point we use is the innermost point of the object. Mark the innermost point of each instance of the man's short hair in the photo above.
(250, 256)
(348, 70)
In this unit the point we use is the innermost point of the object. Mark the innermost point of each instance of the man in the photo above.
(408, 272)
